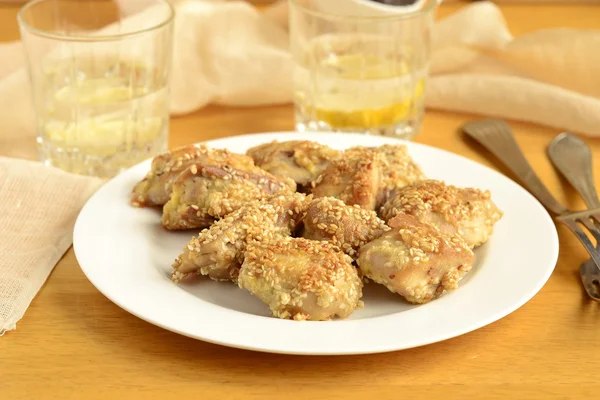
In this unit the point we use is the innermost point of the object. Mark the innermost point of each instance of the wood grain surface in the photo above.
(73, 343)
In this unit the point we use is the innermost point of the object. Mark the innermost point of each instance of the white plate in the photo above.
(126, 254)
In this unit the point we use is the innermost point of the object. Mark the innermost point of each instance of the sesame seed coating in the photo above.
(416, 260)
(218, 251)
(203, 193)
(355, 179)
(469, 212)
(347, 228)
(398, 169)
(301, 279)
(300, 160)
(249, 210)
(155, 188)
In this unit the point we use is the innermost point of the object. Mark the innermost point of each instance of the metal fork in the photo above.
(573, 159)
(496, 136)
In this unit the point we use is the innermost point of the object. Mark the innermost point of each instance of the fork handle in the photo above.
(573, 158)
(502, 144)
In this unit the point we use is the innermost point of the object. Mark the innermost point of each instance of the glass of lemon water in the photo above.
(99, 72)
(360, 69)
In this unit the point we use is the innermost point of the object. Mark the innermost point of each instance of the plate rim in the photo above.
(267, 136)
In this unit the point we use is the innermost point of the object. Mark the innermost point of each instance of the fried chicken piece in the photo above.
(355, 179)
(218, 251)
(416, 260)
(398, 167)
(469, 212)
(155, 188)
(347, 228)
(202, 194)
(301, 279)
(300, 160)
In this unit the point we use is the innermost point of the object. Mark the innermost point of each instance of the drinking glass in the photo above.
(99, 72)
(356, 70)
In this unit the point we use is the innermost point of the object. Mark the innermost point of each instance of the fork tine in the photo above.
(596, 218)
(594, 252)
(590, 277)
(591, 227)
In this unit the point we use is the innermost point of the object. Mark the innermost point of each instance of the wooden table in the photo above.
(75, 343)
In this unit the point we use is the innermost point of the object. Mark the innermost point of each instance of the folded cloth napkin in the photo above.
(227, 52)
(38, 206)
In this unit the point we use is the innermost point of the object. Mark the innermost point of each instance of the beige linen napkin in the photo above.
(227, 52)
(38, 206)
(546, 77)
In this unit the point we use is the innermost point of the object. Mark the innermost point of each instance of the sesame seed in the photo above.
(427, 258)
(306, 267)
(448, 207)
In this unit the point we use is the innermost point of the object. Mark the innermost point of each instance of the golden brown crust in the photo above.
(347, 228)
(416, 260)
(155, 188)
(419, 254)
(300, 160)
(398, 168)
(354, 179)
(466, 211)
(218, 251)
(301, 279)
(202, 194)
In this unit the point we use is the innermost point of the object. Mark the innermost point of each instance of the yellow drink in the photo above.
(106, 117)
(359, 83)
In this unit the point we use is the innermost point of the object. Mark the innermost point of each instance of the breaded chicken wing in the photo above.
(416, 260)
(347, 228)
(218, 251)
(301, 279)
(355, 178)
(398, 168)
(469, 212)
(155, 188)
(202, 194)
(300, 160)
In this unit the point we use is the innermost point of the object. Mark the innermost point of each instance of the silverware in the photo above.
(573, 159)
(496, 136)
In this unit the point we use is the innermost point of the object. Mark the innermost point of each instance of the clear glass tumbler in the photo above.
(100, 73)
(357, 70)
